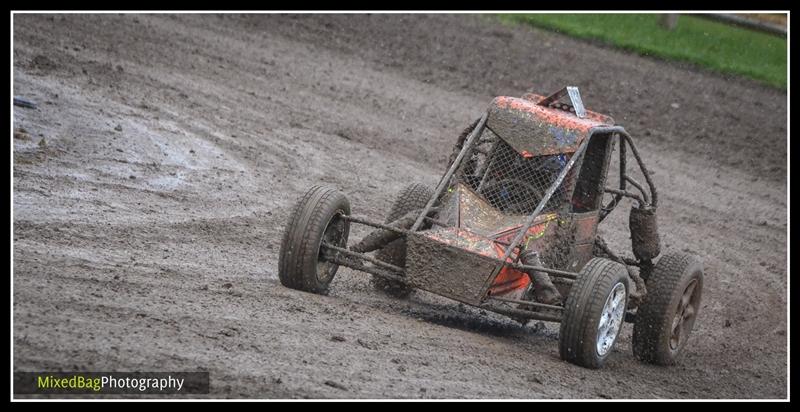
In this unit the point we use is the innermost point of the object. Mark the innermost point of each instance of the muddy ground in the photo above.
(152, 184)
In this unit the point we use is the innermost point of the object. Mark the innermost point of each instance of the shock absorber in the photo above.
(645, 241)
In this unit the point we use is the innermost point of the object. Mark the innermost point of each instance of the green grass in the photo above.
(717, 46)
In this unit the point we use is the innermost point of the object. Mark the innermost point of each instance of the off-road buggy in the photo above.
(511, 227)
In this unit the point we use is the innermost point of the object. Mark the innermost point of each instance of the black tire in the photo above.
(413, 197)
(580, 334)
(654, 338)
(314, 219)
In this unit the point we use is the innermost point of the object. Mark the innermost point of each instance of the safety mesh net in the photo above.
(511, 182)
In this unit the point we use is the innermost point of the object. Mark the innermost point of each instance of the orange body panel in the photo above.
(554, 117)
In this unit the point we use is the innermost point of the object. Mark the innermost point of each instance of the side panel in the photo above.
(585, 229)
(451, 271)
(591, 180)
(457, 264)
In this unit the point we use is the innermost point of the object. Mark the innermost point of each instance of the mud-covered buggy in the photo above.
(511, 227)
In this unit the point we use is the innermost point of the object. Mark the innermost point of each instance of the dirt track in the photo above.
(154, 247)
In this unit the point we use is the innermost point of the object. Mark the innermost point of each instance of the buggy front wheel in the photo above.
(593, 313)
(316, 218)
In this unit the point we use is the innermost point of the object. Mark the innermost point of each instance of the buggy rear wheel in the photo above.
(413, 197)
(314, 220)
(593, 313)
(666, 316)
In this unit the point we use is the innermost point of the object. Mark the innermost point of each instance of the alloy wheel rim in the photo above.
(611, 319)
(684, 316)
